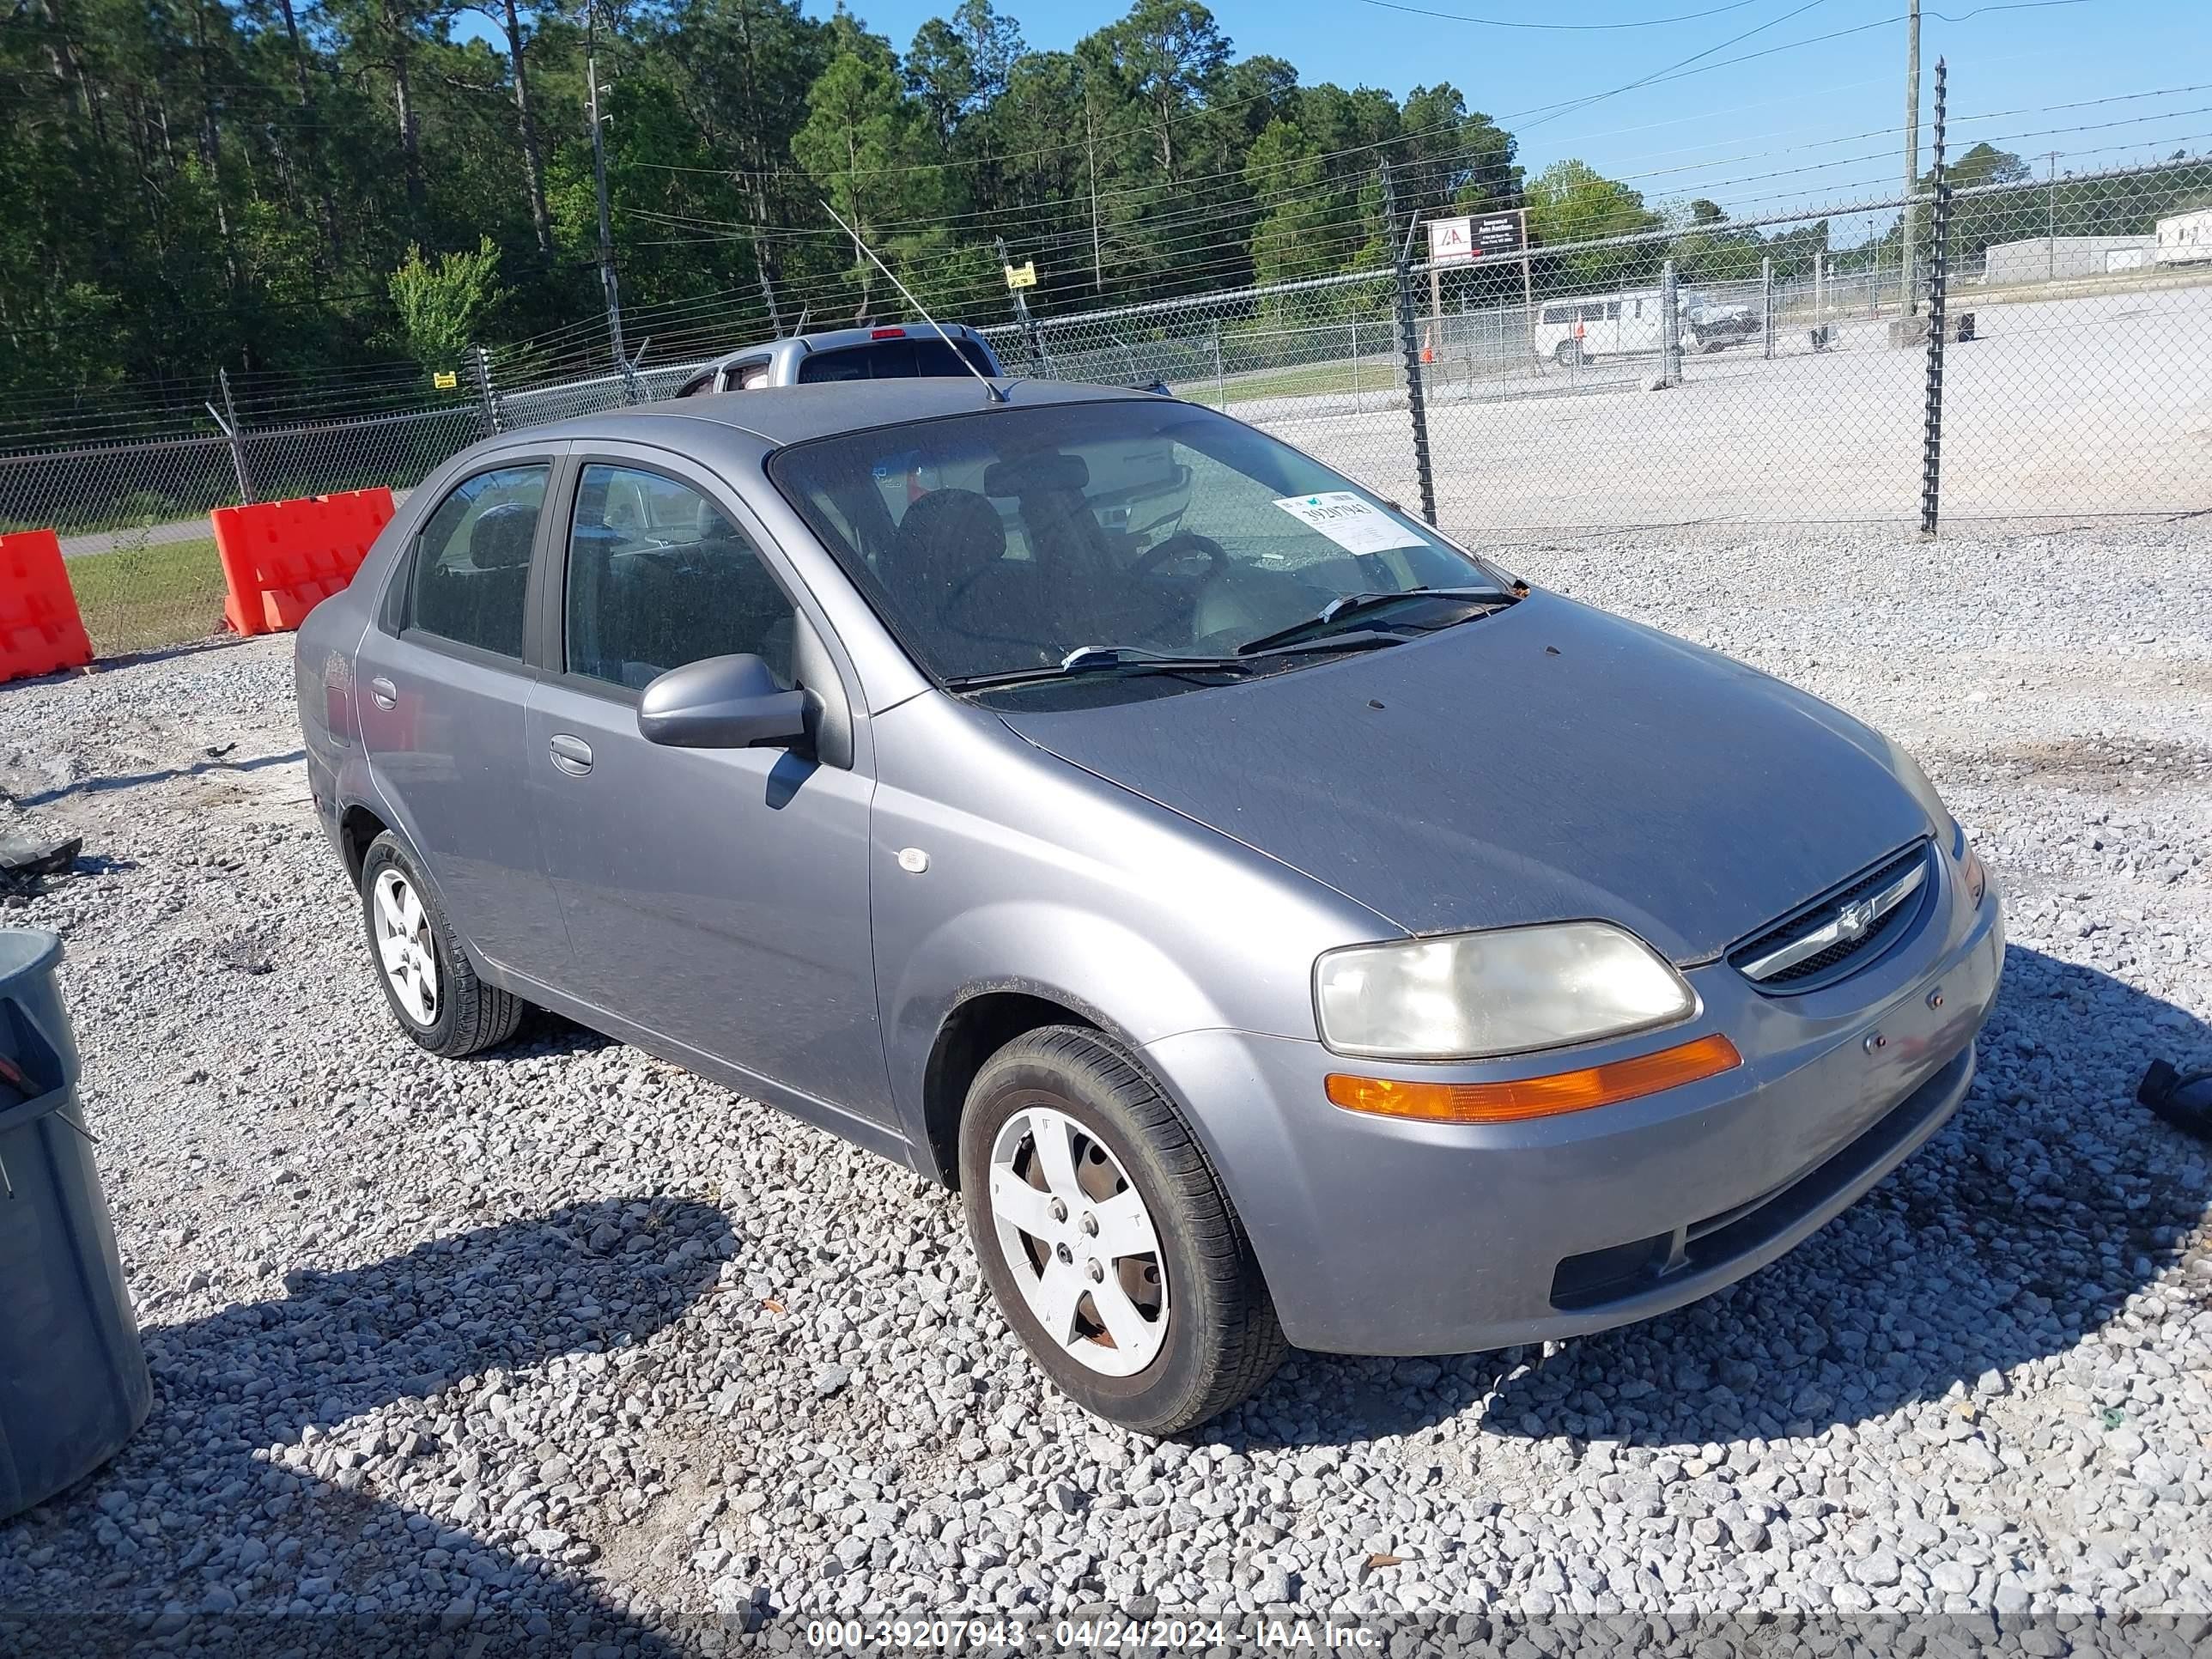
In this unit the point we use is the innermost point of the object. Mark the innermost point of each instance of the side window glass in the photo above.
(658, 578)
(471, 566)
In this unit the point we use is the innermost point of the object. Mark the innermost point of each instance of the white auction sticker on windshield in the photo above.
(1354, 524)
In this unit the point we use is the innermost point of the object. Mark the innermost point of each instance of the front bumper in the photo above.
(1390, 1237)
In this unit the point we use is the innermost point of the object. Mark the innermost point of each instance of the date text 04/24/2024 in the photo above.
(1154, 1635)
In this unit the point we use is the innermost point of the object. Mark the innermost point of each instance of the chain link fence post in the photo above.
(494, 420)
(1670, 327)
(1931, 465)
(1767, 302)
(228, 421)
(1410, 346)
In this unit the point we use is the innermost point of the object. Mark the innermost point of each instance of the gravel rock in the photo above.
(564, 1339)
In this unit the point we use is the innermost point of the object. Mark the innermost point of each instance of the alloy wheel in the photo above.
(1081, 1244)
(404, 946)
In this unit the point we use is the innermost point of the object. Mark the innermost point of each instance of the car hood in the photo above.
(1546, 762)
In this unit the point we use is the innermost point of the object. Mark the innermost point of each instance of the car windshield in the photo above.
(1007, 539)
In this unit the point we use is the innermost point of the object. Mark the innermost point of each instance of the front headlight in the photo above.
(1473, 996)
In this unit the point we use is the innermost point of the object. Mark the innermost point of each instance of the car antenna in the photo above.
(992, 393)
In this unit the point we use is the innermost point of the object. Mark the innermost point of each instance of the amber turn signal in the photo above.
(1537, 1096)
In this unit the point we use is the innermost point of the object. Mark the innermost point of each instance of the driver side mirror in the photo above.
(720, 702)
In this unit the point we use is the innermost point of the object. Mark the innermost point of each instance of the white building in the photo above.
(2063, 259)
(2184, 237)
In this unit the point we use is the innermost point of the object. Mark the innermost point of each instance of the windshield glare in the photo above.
(1005, 539)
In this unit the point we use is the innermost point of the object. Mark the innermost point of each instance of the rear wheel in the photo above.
(1109, 1244)
(1567, 353)
(428, 979)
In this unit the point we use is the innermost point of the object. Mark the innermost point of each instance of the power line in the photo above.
(1506, 23)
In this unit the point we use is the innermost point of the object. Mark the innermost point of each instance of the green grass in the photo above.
(142, 598)
(1375, 375)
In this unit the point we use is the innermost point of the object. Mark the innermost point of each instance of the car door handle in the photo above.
(382, 692)
(571, 755)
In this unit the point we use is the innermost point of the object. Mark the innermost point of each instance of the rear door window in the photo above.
(471, 566)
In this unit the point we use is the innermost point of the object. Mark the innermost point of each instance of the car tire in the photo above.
(1567, 354)
(428, 982)
(1215, 1339)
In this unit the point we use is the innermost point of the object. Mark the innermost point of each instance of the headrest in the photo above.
(947, 536)
(501, 536)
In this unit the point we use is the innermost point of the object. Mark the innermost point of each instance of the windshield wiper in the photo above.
(1103, 660)
(1352, 605)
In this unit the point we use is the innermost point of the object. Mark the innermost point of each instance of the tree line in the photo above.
(294, 188)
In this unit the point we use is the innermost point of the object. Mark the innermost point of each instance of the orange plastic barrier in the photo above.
(39, 629)
(281, 559)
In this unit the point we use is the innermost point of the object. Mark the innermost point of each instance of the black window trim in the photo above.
(394, 617)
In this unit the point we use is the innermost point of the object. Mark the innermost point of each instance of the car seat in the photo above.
(949, 562)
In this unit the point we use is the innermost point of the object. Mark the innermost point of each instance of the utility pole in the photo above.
(600, 176)
(1091, 156)
(1911, 146)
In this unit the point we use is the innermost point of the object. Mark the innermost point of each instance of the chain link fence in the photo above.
(1768, 369)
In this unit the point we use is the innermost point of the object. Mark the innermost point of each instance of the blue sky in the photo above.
(1810, 124)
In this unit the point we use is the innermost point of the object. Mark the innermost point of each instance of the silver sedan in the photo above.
(1281, 924)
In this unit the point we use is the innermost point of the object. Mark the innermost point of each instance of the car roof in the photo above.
(793, 413)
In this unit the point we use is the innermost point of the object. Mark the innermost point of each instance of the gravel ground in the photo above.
(565, 1341)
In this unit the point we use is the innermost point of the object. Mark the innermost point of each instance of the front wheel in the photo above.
(1110, 1246)
(1567, 353)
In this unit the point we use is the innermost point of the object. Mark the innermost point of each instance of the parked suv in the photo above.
(902, 351)
(1278, 922)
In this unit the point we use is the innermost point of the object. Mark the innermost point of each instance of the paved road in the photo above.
(178, 529)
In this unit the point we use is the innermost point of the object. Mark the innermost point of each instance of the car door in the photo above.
(444, 691)
(716, 899)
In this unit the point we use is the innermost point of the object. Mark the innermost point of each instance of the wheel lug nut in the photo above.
(1064, 1253)
(1090, 1226)
(1059, 1211)
(1097, 1272)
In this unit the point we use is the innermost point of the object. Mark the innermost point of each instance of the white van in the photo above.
(1628, 323)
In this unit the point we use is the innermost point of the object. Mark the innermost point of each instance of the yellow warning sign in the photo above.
(444, 379)
(1023, 275)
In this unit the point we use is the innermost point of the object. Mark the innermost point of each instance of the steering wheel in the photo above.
(1187, 541)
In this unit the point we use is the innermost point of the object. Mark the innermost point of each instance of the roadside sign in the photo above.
(1462, 242)
(444, 379)
(1023, 275)
(1500, 232)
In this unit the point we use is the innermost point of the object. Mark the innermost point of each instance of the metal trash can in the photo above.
(74, 1384)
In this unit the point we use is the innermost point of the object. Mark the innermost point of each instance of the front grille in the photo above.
(1849, 953)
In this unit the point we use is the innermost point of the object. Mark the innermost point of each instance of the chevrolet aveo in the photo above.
(1279, 924)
